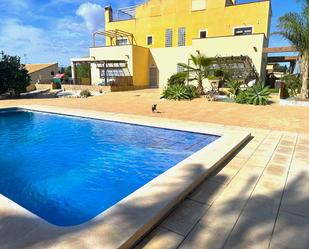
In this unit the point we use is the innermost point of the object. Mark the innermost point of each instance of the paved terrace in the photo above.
(259, 199)
(277, 117)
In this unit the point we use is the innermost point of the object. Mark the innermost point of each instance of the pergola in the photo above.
(114, 35)
(106, 65)
(240, 68)
(277, 59)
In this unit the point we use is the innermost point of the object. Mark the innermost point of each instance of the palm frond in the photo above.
(295, 28)
(186, 66)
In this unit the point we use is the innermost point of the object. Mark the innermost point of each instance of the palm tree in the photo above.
(199, 71)
(295, 28)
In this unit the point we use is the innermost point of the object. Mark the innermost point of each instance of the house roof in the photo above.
(31, 68)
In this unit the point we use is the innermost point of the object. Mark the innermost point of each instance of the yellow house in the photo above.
(146, 42)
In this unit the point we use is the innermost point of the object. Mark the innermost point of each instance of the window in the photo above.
(122, 41)
(52, 73)
(149, 40)
(168, 38)
(203, 34)
(243, 31)
(181, 37)
(198, 5)
(112, 72)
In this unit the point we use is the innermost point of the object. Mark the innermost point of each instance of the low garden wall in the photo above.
(71, 87)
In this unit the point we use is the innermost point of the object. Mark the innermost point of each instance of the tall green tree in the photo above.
(295, 28)
(13, 75)
(198, 71)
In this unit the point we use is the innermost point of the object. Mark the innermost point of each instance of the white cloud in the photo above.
(93, 15)
(47, 38)
(42, 46)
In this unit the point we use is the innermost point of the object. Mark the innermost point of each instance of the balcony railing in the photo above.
(126, 13)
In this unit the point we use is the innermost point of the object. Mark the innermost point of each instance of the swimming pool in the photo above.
(67, 170)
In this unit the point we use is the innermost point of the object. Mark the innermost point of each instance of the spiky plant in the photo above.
(180, 92)
(199, 71)
(295, 28)
(258, 94)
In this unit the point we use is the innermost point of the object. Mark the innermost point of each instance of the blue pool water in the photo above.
(67, 170)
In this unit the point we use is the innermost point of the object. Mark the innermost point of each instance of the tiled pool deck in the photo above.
(260, 199)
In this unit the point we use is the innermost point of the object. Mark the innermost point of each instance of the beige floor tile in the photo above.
(236, 163)
(296, 195)
(299, 167)
(262, 208)
(302, 148)
(225, 176)
(160, 238)
(249, 173)
(281, 159)
(207, 192)
(269, 187)
(250, 233)
(287, 143)
(203, 236)
(184, 217)
(291, 232)
(301, 155)
(275, 170)
(258, 161)
(281, 149)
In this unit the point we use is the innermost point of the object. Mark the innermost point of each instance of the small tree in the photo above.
(13, 75)
(82, 70)
(295, 28)
(68, 71)
(199, 71)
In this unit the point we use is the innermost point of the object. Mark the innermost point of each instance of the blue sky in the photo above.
(54, 31)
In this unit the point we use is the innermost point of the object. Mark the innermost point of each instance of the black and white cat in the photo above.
(154, 108)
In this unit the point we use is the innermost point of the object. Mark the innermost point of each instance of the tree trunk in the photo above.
(200, 88)
(304, 74)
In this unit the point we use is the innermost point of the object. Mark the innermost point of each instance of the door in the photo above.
(153, 77)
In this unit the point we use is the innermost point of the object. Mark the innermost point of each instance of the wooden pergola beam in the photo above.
(113, 34)
(279, 49)
(277, 59)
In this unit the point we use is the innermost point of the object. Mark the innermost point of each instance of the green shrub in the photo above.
(241, 97)
(85, 93)
(180, 92)
(234, 88)
(293, 84)
(219, 73)
(192, 90)
(177, 79)
(258, 94)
